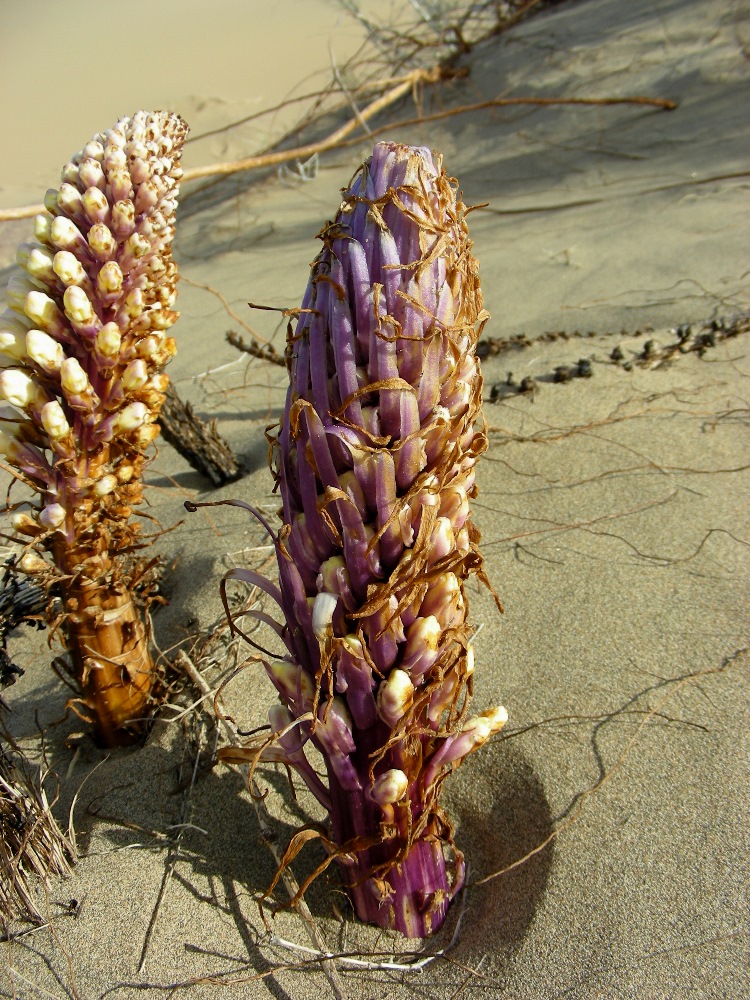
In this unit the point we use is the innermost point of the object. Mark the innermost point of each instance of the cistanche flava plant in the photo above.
(375, 463)
(83, 344)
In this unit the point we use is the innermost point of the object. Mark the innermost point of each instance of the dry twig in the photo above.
(183, 661)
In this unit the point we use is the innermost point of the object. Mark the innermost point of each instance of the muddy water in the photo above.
(70, 69)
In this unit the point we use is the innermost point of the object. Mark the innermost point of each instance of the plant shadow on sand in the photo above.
(501, 814)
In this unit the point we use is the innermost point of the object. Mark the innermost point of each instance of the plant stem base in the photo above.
(111, 659)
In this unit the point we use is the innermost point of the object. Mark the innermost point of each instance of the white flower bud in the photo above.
(146, 196)
(108, 340)
(16, 291)
(93, 150)
(395, 697)
(109, 278)
(134, 302)
(43, 312)
(39, 264)
(115, 137)
(68, 268)
(322, 615)
(50, 200)
(101, 241)
(389, 787)
(42, 228)
(52, 516)
(149, 346)
(23, 523)
(74, 379)
(78, 306)
(131, 416)
(441, 541)
(69, 173)
(146, 434)
(123, 216)
(125, 472)
(31, 563)
(114, 156)
(64, 234)
(44, 350)
(19, 390)
(135, 375)
(95, 204)
(137, 246)
(68, 199)
(54, 421)
(486, 724)
(105, 486)
(13, 344)
(295, 682)
(91, 177)
(8, 444)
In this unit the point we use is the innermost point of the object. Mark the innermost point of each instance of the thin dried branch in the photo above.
(173, 855)
(679, 684)
(33, 849)
(183, 661)
(339, 138)
(263, 352)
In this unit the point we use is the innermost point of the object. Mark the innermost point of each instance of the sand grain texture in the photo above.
(614, 517)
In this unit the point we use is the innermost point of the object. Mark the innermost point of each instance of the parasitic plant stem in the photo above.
(83, 344)
(375, 463)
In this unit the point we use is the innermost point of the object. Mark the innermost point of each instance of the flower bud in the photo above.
(39, 265)
(44, 350)
(101, 241)
(65, 235)
(109, 279)
(108, 341)
(123, 216)
(42, 229)
(422, 641)
(8, 444)
(19, 390)
(78, 307)
(54, 421)
(68, 201)
(31, 563)
(294, 683)
(12, 344)
(68, 268)
(441, 541)
(131, 417)
(95, 205)
(50, 200)
(322, 615)
(91, 176)
(395, 697)
(43, 312)
(135, 375)
(74, 379)
(52, 516)
(146, 435)
(137, 246)
(105, 486)
(23, 523)
(17, 289)
(390, 787)
(481, 727)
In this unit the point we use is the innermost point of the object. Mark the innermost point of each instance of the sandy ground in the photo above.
(614, 516)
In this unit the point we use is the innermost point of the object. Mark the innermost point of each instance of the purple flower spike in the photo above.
(375, 464)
